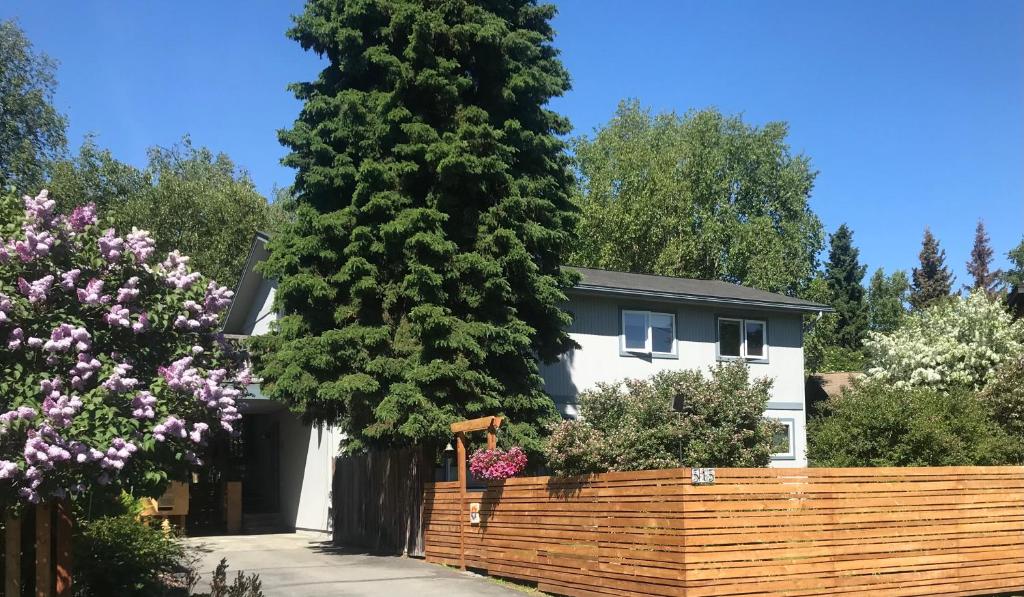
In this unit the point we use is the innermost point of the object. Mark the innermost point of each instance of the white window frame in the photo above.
(790, 424)
(649, 339)
(762, 358)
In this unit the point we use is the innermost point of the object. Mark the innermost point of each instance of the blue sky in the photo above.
(912, 111)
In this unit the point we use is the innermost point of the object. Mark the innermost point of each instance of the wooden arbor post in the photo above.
(460, 429)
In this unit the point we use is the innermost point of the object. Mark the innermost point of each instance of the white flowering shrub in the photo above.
(113, 372)
(955, 343)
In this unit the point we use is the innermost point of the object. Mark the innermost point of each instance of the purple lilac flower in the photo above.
(176, 272)
(6, 306)
(65, 336)
(198, 429)
(118, 316)
(83, 216)
(111, 246)
(36, 291)
(119, 382)
(180, 375)
(14, 339)
(92, 294)
(21, 413)
(40, 207)
(116, 455)
(172, 426)
(34, 342)
(141, 324)
(217, 298)
(35, 244)
(83, 370)
(8, 469)
(140, 244)
(142, 405)
(57, 406)
(129, 291)
(69, 278)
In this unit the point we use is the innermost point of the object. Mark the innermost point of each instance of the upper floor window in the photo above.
(648, 332)
(742, 339)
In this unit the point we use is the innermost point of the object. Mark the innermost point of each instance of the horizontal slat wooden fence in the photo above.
(755, 532)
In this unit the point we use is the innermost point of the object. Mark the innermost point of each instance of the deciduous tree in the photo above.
(887, 298)
(421, 276)
(189, 197)
(702, 195)
(32, 131)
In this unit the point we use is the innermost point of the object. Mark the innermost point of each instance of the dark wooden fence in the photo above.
(754, 532)
(37, 551)
(378, 501)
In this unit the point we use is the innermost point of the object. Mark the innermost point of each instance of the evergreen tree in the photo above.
(1015, 275)
(887, 296)
(933, 280)
(420, 275)
(981, 262)
(844, 274)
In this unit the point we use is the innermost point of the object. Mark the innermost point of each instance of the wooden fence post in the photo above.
(460, 458)
(12, 550)
(44, 546)
(65, 526)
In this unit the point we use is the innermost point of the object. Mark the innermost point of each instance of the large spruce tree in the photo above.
(980, 265)
(843, 274)
(931, 281)
(420, 280)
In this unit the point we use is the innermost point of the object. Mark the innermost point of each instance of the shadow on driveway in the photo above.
(308, 565)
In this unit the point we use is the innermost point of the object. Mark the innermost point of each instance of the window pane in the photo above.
(755, 339)
(661, 332)
(634, 326)
(780, 441)
(728, 338)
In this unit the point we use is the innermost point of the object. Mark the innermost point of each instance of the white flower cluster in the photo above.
(954, 343)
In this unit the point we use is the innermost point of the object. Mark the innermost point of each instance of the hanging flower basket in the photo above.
(497, 464)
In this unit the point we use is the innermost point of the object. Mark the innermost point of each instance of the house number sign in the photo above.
(702, 476)
(474, 513)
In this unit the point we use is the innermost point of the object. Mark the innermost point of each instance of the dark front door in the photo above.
(261, 474)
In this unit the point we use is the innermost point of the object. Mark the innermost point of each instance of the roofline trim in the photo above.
(702, 299)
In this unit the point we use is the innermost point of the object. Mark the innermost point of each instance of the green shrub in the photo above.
(1004, 394)
(242, 586)
(123, 556)
(877, 424)
(676, 418)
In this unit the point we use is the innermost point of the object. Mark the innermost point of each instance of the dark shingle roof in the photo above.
(687, 290)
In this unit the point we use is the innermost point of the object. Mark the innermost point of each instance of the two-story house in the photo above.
(627, 325)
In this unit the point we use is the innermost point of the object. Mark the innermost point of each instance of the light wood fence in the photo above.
(868, 531)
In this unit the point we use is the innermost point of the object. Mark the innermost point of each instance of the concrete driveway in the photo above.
(307, 565)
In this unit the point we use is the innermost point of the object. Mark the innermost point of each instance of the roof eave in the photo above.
(701, 299)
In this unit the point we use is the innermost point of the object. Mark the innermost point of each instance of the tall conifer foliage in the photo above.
(844, 274)
(420, 280)
(932, 281)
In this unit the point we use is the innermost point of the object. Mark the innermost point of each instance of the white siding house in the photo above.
(288, 483)
(633, 326)
(626, 325)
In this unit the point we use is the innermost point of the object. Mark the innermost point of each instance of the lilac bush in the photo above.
(115, 375)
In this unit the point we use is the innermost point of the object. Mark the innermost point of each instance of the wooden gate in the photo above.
(49, 542)
(377, 501)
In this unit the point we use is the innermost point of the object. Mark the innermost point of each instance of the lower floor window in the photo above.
(784, 440)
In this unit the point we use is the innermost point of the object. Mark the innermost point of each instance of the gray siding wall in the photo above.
(596, 327)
